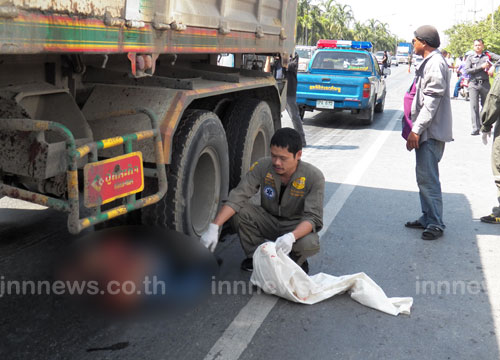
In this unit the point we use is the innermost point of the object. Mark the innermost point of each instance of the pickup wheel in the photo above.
(198, 177)
(366, 116)
(249, 128)
(380, 106)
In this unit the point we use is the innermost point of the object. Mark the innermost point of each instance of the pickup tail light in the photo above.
(366, 90)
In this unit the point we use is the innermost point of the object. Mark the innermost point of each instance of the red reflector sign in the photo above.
(113, 178)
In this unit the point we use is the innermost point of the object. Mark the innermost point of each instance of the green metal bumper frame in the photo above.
(72, 205)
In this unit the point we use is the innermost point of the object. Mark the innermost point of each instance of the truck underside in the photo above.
(112, 106)
(197, 126)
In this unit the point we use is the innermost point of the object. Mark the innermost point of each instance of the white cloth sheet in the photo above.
(279, 275)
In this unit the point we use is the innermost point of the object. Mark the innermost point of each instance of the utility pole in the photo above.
(492, 16)
(459, 14)
(475, 11)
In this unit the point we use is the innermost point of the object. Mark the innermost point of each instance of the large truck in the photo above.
(118, 109)
(404, 52)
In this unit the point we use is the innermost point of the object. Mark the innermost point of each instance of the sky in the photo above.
(404, 17)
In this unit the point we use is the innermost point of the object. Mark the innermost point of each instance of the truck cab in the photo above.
(404, 52)
(343, 75)
(305, 54)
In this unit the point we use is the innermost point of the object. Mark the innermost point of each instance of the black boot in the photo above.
(247, 264)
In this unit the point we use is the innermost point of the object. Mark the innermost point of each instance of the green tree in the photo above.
(328, 19)
(461, 36)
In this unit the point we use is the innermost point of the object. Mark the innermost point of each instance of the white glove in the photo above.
(485, 137)
(285, 243)
(210, 237)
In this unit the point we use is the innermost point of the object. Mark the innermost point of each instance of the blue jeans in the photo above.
(428, 156)
(457, 87)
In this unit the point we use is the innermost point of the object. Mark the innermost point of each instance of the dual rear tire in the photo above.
(198, 176)
(204, 168)
(249, 128)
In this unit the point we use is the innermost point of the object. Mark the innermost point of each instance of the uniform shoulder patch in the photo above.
(299, 183)
(253, 165)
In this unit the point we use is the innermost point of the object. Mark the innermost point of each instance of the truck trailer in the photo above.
(118, 109)
(404, 52)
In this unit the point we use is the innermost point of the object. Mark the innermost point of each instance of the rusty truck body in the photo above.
(111, 108)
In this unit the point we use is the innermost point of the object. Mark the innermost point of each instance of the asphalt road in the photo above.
(370, 193)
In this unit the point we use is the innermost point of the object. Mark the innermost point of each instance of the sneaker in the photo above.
(432, 233)
(247, 265)
(475, 133)
(491, 219)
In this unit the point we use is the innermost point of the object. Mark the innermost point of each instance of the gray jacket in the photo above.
(474, 63)
(431, 107)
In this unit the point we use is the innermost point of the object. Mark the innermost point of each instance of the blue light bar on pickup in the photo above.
(343, 44)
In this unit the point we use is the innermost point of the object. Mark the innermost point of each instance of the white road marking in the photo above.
(242, 329)
(240, 332)
(345, 189)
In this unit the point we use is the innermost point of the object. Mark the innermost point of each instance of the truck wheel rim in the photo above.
(259, 147)
(206, 190)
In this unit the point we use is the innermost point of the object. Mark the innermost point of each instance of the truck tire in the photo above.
(249, 128)
(198, 176)
(379, 108)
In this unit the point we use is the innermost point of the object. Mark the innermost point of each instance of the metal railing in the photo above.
(72, 204)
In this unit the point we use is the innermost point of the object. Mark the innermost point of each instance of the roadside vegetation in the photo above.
(461, 36)
(327, 19)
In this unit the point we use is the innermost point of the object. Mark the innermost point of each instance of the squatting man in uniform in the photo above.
(491, 116)
(291, 210)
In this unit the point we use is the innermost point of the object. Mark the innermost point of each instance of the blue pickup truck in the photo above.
(343, 75)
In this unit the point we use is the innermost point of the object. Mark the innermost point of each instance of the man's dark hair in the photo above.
(480, 40)
(287, 138)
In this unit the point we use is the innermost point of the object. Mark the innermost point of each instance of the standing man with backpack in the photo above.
(431, 129)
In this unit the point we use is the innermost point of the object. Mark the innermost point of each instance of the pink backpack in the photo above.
(407, 101)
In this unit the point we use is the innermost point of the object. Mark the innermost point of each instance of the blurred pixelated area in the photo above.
(132, 270)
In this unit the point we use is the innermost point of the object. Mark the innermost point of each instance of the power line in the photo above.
(475, 11)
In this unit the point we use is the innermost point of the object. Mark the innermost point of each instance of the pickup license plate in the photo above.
(325, 104)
